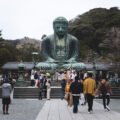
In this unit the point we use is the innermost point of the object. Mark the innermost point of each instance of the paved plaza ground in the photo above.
(22, 109)
(57, 109)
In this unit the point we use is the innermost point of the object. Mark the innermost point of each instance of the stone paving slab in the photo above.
(22, 109)
(57, 109)
(114, 104)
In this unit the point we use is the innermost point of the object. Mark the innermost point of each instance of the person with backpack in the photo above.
(104, 89)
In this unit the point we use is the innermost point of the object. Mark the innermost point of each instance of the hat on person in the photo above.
(48, 74)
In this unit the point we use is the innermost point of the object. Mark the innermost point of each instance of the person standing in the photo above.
(63, 84)
(48, 84)
(36, 77)
(40, 90)
(32, 80)
(73, 75)
(89, 90)
(6, 91)
(104, 89)
(44, 86)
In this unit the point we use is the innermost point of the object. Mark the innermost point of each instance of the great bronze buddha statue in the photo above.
(60, 49)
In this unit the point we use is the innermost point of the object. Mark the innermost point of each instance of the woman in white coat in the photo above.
(48, 84)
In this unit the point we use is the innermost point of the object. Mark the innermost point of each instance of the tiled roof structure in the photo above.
(14, 65)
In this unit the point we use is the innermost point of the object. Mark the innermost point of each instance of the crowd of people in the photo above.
(41, 80)
(77, 88)
(81, 88)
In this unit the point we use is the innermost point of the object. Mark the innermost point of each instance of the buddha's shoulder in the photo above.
(72, 37)
(48, 38)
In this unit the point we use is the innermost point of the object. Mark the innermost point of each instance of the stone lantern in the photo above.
(33, 57)
(21, 69)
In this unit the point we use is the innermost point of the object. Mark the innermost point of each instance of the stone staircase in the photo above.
(115, 92)
(32, 92)
(25, 92)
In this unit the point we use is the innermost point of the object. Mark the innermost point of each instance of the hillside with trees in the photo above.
(98, 31)
(17, 50)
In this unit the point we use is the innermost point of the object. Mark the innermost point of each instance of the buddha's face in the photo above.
(60, 28)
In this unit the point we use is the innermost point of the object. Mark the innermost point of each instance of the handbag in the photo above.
(70, 99)
(66, 96)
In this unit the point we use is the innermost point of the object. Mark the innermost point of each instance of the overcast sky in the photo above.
(33, 18)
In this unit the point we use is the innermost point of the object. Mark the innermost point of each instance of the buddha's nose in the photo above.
(60, 29)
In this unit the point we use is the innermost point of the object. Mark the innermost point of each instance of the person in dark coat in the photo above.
(40, 90)
(63, 84)
(76, 88)
(44, 86)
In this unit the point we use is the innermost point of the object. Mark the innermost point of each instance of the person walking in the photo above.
(6, 91)
(104, 89)
(67, 92)
(89, 90)
(75, 89)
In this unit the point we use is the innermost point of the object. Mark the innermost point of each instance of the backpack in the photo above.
(36, 76)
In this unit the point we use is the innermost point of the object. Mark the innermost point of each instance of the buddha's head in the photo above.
(60, 26)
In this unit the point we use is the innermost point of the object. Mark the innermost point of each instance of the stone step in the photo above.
(32, 92)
